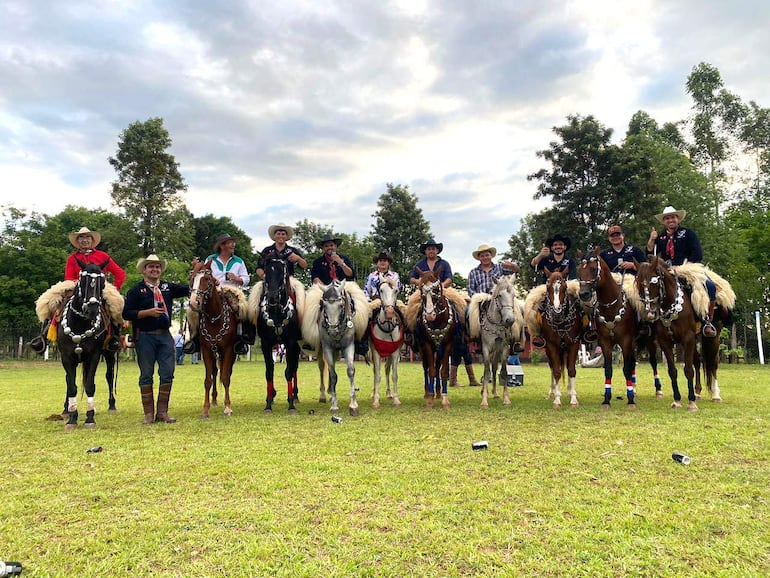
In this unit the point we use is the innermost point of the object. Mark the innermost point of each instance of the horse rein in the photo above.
(671, 314)
(594, 302)
(269, 304)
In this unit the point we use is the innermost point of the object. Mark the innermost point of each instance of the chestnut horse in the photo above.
(605, 302)
(217, 329)
(561, 327)
(434, 319)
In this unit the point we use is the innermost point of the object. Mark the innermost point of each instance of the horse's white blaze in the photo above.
(194, 291)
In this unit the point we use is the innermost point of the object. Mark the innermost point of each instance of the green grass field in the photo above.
(393, 492)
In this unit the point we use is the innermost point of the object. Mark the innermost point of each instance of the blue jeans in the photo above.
(153, 348)
(179, 355)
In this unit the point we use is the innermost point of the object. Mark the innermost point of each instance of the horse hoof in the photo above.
(204, 416)
(228, 412)
(397, 402)
(692, 407)
(556, 406)
(631, 406)
(268, 410)
(113, 410)
(321, 400)
(89, 425)
(697, 396)
(354, 411)
(445, 405)
(376, 405)
(70, 426)
(716, 399)
(658, 395)
(605, 406)
(676, 405)
(429, 403)
(573, 405)
(484, 405)
(292, 411)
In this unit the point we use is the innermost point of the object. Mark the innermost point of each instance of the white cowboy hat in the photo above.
(84, 231)
(142, 263)
(280, 227)
(671, 211)
(483, 248)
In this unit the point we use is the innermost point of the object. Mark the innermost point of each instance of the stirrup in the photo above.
(538, 341)
(708, 329)
(517, 347)
(241, 348)
(591, 336)
(190, 347)
(37, 344)
(113, 344)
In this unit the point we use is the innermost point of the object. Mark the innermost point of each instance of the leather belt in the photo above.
(155, 331)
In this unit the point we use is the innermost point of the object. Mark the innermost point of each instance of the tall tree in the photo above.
(399, 227)
(149, 184)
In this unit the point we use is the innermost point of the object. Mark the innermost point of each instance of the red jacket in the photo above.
(72, 269)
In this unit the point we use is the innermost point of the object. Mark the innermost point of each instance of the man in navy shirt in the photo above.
(620, 256)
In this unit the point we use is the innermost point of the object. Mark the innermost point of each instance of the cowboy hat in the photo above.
(669, 210)
(559, 237)
(382, 255)
(84, 231)
(483, 248)
(280, 227)
(431, 243)
(142, 263)
(221, 239)
(326, 238)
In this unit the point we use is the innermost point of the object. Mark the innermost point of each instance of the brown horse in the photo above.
(217, 330)
(434, 328)
(605, 302)
(561, 327)
(668, 307)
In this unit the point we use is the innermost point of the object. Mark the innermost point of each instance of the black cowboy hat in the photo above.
(382, 255)
(431, 243)
(326, 238)
(221, 239)
(559, 237)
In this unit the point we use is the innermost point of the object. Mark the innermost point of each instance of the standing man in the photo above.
(677, 245)
(432, 262)
(280, 234)
(383, 261)
(148, 305)
(620, 256)
(85, 242)
(229, 270)
(330, 266)
(179, 347)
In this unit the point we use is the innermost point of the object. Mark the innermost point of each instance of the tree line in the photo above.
(715, 164)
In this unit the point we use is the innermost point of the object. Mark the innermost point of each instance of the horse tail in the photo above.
(310, 330)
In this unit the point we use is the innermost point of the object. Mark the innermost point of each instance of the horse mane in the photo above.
(237, 299)
(696, 273)
(255, 299)
(474, 314)
(114, 302)
(310, 331)
(458, 301)
(52, 299)
(532, 305)
(361, 316)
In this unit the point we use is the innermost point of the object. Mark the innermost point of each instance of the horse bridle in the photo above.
(437, 335)
(677, 303)
(594, 302)
(487, 319)
(272, 304)
(203, 297)
(381, 320)
(561, 323)
(95, 328)
(337, 330)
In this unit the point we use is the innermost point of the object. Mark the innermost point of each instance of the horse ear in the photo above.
(81, 263)
(547, 271)
(597, 251)
(103, 265)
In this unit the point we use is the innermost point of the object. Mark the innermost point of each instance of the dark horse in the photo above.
(436, 324)
(278, 321)
(605, 301)
(561, 327)
(668, 307)
(217, 328)
(80, 336)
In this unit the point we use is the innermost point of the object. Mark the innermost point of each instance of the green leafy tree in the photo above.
(208, 228)
(149, 188)
(399, 227)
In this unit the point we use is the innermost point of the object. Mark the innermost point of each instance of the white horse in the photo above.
(385, 337)
(497, 320)
(335, 316)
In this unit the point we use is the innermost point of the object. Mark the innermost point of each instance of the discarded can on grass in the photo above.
(336, 419)
(681, 458)
(10, 568)
(482, 445)
(95, 450)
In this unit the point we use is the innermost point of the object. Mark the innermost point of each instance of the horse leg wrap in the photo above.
(148, 404)
(270, 391)
(90, 417)
(630, 392)
(164, 393)
(607, 395)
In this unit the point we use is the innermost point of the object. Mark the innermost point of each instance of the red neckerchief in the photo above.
(332, 268)
(670, 245)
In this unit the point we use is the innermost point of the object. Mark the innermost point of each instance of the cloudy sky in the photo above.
(297, 109)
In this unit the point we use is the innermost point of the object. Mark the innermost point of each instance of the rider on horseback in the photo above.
(86, 241)
(383, 262)
(678, 245)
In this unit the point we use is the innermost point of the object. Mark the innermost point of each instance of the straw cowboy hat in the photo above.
(280, 227)
(431, 243)
(559, 237)
(483, 248)
(671, 211)
(84, 231)
(142, 263)
(221, 239)
(382, 255)
(326, 238)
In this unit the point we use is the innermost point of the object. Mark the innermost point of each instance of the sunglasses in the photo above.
(615, 234)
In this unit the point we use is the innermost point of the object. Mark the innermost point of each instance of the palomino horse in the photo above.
(335, 316)
(605, 301)
(561, 323)
(434, 317)
(385, 337)
(497, 321)
(217, 328)
(277, 316)
(81, 332)
(669, 308)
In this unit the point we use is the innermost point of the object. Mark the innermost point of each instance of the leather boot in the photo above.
(471, 376)
(148, 404)
(164, 393)
(708, 326)
(452, 375)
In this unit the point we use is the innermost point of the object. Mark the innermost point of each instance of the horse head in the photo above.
(276, 283)
(87, 299)
(335, 308)
(589, 274)
(202, 284)
(654, 281)
(556, 290)
(432, 293)
(503, 296)
(387, 290)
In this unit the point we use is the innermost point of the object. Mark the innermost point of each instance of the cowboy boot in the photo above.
(453, 376)
(708, 327)
(148, 404)
(40, 342)
(164, 393)
(471, 376)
